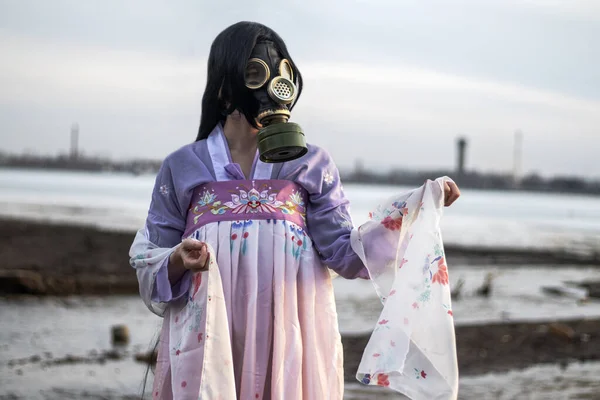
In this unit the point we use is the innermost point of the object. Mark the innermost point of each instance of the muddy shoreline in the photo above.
(481, 348)
(41, 258)
(500, 347)
(52, 259)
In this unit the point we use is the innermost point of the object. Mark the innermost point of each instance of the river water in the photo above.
(481, 218)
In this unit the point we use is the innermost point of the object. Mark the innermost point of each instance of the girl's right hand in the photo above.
(191, 254)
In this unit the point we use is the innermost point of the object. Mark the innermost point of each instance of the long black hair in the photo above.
(225, 89)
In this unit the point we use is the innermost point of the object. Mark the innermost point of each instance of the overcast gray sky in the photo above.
(389, 82)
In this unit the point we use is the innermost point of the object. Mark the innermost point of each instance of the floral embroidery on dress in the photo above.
(298, 239)
(392, 215)
(164, 190)
(295, 199)
(424, 288)
(366, 379)
(347, 224)
(420, 374)
(139, 259)
(243, 235)
(441, 276)
(448, 310)
(197, 282)
(249, 201)
(206, 200)
(401, 205)
(297, 230)
(382, 324)
(429, 277)
(175, 349)
(425, 296)
(382, 380)
(392, 224)
(194, 313)
(244, 242)
(328, 178)
(253, 201)
(241, 224)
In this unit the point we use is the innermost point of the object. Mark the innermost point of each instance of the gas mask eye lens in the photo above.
(256, 73)
(285, 69)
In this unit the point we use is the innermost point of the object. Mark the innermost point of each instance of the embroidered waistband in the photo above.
(243, 200)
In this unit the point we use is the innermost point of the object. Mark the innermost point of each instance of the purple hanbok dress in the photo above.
(261, 322)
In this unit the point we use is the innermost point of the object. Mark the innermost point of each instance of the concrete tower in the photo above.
(461, 150)
(74, 141)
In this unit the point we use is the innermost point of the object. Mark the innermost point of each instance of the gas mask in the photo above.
(271, 79)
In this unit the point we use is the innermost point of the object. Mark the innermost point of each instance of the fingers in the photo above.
(192, 244)
(455, 190)
(195, 255)
(451, 193)
(203, 259)
(446, 188)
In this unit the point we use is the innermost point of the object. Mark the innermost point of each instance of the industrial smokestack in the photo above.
(461, 148)
(74, 141)
(517, 158)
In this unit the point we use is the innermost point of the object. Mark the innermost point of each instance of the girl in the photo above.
(236, 252)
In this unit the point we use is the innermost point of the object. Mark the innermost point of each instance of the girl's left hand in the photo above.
(451, 193)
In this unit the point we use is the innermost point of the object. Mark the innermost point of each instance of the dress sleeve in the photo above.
(328, 217)
(152, 246)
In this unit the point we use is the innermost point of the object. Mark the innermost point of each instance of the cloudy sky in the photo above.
(392, 83)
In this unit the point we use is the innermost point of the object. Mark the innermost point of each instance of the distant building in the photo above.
(517, 159)
(461, 150)
(74, 142)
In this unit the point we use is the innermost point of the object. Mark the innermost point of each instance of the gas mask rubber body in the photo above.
(271, 79)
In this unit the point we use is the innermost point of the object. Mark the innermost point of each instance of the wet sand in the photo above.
(46, 259)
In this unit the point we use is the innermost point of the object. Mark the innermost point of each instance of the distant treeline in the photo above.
(470, 179)
(476, 180)
(80, 164)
